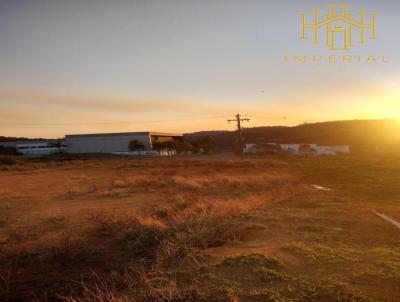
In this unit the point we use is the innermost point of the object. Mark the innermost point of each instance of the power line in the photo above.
(111, 123)
(240, 141)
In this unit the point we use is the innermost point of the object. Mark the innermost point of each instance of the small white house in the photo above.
(35, 147)
(296, 148)
(265, 148)
(318, 150)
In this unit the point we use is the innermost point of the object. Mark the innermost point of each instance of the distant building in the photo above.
(262, 148)
(318, 150)
(35, 148)
(117, 143)
(295, 149)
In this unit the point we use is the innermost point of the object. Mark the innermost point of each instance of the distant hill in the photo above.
(358, 134)
(13, 139)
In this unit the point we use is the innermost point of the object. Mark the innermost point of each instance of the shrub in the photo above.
(108, 224)
(10, 160)
(8, 150)
(143, 240)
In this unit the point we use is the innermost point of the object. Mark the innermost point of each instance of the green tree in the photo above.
(170, 146)
(158, 146)
(8, 150)
(206, 144)
(58, 144)
(136, 145)
(306, 149)
(184, 146)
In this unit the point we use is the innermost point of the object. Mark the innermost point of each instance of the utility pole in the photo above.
(240, 141)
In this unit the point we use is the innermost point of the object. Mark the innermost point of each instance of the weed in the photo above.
(142, 240)
(320, 253)
(255, 260)
(65, 247)
(392, 267)
(331, 292)
(384, 251)
(10, 160)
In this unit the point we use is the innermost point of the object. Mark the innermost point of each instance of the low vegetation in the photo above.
(9, 160)
(196, 230)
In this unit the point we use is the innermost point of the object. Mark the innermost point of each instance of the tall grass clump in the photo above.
(158, 243)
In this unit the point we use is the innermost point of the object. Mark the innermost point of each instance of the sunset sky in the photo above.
(87, 66)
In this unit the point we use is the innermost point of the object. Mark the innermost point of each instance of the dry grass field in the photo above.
(200, 230)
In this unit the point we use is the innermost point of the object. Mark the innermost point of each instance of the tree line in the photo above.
(202, 145)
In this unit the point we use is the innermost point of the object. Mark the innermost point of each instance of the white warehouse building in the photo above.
(114, 142)
(35, 147)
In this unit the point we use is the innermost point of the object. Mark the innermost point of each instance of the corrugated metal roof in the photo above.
(14, 143)
(122, 134)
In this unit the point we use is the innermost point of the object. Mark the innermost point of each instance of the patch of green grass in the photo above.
(314, 232)
(252, 269)
(252, 260)
(320, 253)
(316, 237)
(384, 251)
(388, 259)
(332, 292)
(392, 267)
(267, 274)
